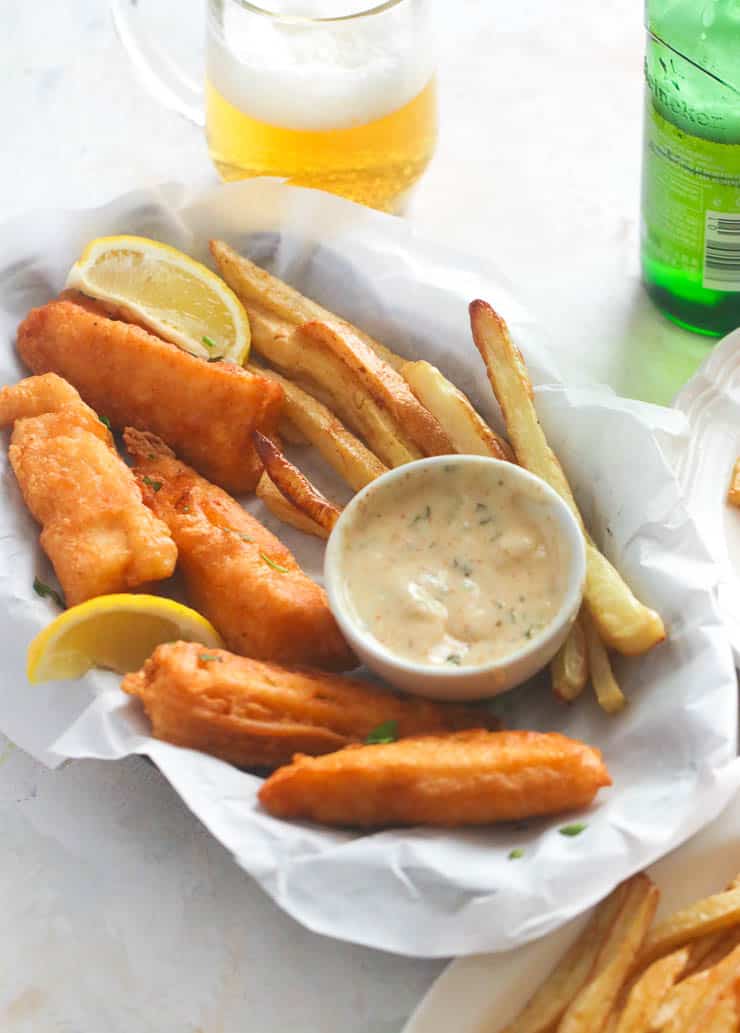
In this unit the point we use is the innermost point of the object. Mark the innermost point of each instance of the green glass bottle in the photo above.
(691, 162)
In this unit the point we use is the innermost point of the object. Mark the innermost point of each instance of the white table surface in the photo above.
(120, 913)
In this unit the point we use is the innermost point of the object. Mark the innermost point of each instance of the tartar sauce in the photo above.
(450, 567)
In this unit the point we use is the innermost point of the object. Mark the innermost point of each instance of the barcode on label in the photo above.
(722, 252)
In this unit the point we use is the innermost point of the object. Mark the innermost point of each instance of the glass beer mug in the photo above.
(334, 94)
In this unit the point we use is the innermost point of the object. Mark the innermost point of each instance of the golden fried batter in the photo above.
(237, 573)
(207, 411)
(463, 778)
(96, 530)
(256, 714)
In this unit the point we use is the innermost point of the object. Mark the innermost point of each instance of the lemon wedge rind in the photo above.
(167, 291)
(118, 632)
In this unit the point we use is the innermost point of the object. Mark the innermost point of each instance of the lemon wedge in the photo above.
(167, 291)
(114, 631)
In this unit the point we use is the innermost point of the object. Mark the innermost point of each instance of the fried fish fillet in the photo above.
(237, 573)
(206, 411)
(256, 714)
(464, 778)
(97, 532)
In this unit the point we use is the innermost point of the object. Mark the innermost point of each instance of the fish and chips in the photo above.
(198, 428)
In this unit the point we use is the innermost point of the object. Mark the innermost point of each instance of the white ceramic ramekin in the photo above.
(486, 680)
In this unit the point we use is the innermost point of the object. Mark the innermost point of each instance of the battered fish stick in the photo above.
(463, 778)
(206, 411)
(237, 573)
(97, 532)
(256, 714)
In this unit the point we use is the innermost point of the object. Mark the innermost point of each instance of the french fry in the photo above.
(724, 1017)
(736, 995)
(678, 1002)
(623, 622)
(288, 430)
(303, 356)
(466, 429)
(719, 912)
(277, 310)
(709, 949)
(255, 285)
(628, 991)
(649, 991)
(589, 1011)
(316, 424)
(723, 945)
(550, 1001)
(702, 952)
(383, 384)
(291, 483)
(608, 693)
(284, 510)
(348, 397)
(733, 492)
(569, 667)
(707, 1013)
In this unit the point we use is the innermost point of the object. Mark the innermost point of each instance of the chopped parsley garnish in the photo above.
(573, 830)
(208, 341)
(454, 658)
(424, 515)
(244, 537)
(47, 591)
(210, 658)
(151, 455)
(382, 733)
(516, 853)
(154, 485)
(466, 569)
(274, 565)
(215, 358)
(485, 520)
(105, 421)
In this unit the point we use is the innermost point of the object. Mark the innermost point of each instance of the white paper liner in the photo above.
(711, 403)
(419, 892)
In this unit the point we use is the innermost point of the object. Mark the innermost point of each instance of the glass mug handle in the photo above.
(165, 80)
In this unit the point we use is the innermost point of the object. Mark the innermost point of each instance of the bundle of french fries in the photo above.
(626, 975)
(366, 409)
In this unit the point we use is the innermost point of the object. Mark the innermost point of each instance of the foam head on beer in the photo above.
(323, 94)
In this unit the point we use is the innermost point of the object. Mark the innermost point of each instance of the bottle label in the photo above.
(721, 251)
(691, 203)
